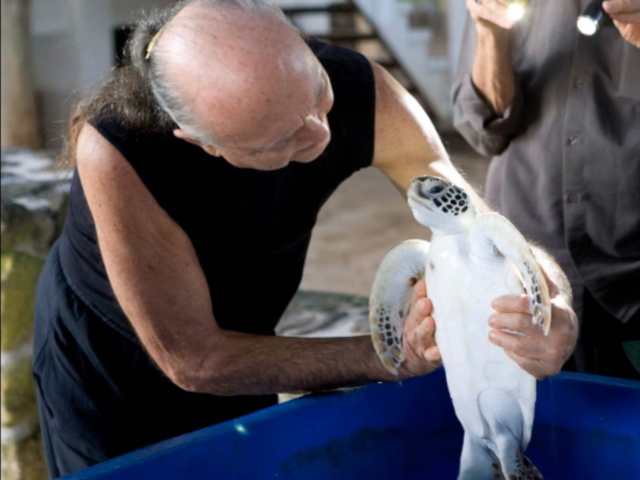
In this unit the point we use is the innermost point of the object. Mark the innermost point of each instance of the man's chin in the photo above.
(311, 155)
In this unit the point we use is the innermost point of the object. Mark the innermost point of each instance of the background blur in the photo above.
(75, 43)
(54, 52)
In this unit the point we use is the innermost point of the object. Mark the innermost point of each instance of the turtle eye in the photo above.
(436, 189)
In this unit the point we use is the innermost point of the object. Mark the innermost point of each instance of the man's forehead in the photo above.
(264, 108)
(238, 84)
(281, 121)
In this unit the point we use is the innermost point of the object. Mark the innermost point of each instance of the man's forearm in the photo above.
(492, 71)
(242, 364)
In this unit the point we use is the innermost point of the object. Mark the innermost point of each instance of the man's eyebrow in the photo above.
(322, 88)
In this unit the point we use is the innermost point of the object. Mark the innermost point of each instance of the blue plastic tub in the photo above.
(586, 428)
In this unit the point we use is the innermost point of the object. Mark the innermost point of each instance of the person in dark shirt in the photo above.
(201, 167)
(560, 113)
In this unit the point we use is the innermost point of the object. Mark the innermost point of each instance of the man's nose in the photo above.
(317, 128)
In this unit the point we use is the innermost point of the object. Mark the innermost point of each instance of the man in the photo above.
(561, 113)
(201, 169)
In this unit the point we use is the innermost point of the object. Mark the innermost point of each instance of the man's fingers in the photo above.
(490, 10)
(420, 309)
(419, 291)
(516, 322)
(532, 367)
(493, 5)
(420, 304)
(432, 355)
(629, 31)
(424, 331)
(632, 17)
(621, 6)
(496, 12)
(511, 304)
(522, 346)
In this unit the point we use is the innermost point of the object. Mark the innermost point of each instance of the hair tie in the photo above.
(152, 43)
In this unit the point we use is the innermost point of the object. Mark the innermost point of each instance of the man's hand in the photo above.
(541, 356)
(492, 72)
(626, 18)
(490, 13)
(421, 353)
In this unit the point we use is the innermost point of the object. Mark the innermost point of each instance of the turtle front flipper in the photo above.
(391, 297)
(493, 235)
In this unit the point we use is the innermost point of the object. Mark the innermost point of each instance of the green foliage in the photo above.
(19, 277)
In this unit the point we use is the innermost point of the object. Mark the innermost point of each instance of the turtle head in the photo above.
(440, 205)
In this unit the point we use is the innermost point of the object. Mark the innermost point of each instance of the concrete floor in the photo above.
(364, 219)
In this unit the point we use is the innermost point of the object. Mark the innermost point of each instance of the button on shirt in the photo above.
(566, 167)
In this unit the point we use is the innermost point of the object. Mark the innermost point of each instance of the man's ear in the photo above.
(210, 149)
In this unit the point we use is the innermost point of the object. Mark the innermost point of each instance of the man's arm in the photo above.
(486, 97)
(408, 146)
(158, 281)
(406, 142)
(492, 72)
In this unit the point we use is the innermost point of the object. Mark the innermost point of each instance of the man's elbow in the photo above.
(492, 145)
(185, 379)
(197, 376)
(485, 143)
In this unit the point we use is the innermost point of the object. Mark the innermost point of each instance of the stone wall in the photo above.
(33, 207)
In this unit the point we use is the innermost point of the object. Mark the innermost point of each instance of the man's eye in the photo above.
(280, 147)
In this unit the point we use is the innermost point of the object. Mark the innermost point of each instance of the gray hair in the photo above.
(151, 66)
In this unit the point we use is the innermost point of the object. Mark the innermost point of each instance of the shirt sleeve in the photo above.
(488, 133)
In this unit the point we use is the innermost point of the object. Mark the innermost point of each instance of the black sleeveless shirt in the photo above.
(100, 393)
(250, 229)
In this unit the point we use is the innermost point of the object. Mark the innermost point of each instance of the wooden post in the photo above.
(19, 119)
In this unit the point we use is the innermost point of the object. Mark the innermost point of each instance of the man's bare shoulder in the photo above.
(95, 155)
(105, 173)
(389, 92)
(111, 185)
(405, 139)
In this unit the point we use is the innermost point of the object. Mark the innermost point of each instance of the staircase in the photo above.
(346, 24)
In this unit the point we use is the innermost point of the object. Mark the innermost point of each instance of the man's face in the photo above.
(263, 96)
(297, 130)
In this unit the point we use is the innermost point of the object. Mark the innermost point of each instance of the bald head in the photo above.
(245, 75)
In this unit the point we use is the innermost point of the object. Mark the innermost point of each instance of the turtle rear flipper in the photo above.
(391, 297)
(493, 448)
(479, 462)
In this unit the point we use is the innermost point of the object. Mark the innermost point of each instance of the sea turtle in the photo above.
(472, 259)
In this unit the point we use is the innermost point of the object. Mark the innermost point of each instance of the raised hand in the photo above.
(490, 13)
(626, 18)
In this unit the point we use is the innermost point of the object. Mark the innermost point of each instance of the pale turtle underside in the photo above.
(470, 261)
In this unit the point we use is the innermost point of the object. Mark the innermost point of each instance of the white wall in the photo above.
(73, 51)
